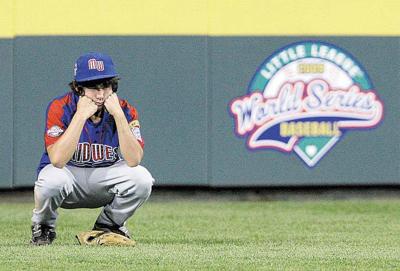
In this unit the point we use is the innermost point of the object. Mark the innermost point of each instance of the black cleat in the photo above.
(115, 229)
(42, 235)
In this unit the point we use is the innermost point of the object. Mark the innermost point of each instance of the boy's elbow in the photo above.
(56, 162)
(133, 163)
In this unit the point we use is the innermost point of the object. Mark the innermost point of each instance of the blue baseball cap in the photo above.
(94, 66)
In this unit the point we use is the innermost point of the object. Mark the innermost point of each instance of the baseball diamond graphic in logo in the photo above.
(306, 97)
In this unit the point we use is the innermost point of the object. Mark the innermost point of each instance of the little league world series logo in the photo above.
(305, 98)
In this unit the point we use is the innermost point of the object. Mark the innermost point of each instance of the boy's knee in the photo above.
(53, 181)
(142, 182)
(144, 186)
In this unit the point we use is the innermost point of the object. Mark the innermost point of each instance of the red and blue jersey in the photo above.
(98, 144)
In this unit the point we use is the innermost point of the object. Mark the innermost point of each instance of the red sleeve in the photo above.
(54, 124)
(133, 120)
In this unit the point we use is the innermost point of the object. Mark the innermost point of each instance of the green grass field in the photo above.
(218, 235)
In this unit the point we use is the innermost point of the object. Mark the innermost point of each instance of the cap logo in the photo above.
(94, 64)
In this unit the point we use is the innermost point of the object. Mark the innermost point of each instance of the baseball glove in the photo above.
(102, 238)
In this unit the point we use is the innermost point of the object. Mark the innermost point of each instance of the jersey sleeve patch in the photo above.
(136, 132)
(55, 127)
(55, 131)
(135, 129)
(132, 117)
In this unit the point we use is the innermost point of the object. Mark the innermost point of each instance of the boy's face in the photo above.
(98, 91)
(98, 95)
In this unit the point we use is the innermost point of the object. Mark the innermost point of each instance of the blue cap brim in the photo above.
(97, 77)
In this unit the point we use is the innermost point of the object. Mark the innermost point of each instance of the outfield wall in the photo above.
(182, 74)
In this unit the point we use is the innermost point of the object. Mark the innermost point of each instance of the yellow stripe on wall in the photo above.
(305, 17)
(6, 19)
(116, 17)
(199, 17)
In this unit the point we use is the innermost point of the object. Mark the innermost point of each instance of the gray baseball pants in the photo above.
(120, 189)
